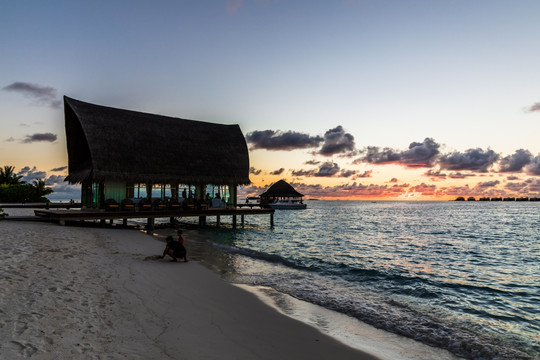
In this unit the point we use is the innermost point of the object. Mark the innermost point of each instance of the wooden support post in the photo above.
(272, 219)
(102, 222)
(242, 219)
(150, 224)
(171, 219)
(202, 220)
(124, 222)
(218, 221)
(234, 221)
(111, 221)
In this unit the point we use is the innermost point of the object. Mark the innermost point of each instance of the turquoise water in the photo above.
(463, 276)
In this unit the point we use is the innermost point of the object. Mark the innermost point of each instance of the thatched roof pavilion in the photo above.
(109, 143)
(111, 149)
(279, 190)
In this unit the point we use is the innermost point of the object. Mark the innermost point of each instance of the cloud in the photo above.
(62, 168)
(393, 180)
(365, 174)
(347, 173)
(54, 180)
(533, 108)
(472, 159)
(423, 189)
(44, 95)
(460, 175)
(515, 162)
(327, 169)
(354, 190)
(277, 172)
(303, 172)
(419, 154)
(312, 162)
(487, 184)
(337, 141)
(39, 137)
(534, 167)
(30, 174)
(435, 175)
(277, 140)
(64, 191)
(10, 139)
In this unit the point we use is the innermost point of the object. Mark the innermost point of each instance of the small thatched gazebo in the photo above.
(279, 190)
(118, 154)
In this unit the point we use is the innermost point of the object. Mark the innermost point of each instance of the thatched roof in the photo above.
(115, 144)
(281, 189)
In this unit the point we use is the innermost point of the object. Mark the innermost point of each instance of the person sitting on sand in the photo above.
(174, 249)
(181, 241)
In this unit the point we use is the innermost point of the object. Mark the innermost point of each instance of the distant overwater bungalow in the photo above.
(125, 158)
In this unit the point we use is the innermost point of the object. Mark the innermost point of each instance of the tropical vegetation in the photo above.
(12, 189)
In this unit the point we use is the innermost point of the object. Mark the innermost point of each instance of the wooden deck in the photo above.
(63, 216)
(41, 205)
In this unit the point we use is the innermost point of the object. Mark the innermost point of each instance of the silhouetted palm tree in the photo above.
(8, 176)
(40, 188)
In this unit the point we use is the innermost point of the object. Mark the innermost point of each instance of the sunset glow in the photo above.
(358, 100)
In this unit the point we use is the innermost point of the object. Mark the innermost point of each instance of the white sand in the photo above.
(88, 293)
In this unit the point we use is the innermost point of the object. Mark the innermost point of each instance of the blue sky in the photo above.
(390, 74)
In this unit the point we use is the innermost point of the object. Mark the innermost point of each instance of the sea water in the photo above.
(460, 276)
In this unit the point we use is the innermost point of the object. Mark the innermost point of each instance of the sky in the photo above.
(344, 99)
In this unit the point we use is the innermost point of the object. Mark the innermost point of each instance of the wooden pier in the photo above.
(63, 216)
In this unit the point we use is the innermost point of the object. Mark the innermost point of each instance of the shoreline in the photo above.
(76, 291)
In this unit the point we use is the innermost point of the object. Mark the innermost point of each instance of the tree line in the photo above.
(12, 189)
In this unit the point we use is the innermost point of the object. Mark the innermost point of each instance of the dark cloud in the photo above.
(515, 162)
(393, 180)
(54, 179)
(30, 174)
(277, 140)
(347, 173)
(277, 172)
(512, 178)
(62, 168)
(487, 184)
(327, 169)
(303, 172)
(39, 137)
(337, 141)
(435, 175)
(42, 94)
(533, 187)
(312, 162)
(534, 107)
(64, 191)
(366, 174)
(419, 154)
(534, 167)
(472, 159)
(423, 189)
(516, 187)
(10, 139)
(460, 175)
(254, 171)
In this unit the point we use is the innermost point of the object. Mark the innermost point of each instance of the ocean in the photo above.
(462, 277)
(459, 276)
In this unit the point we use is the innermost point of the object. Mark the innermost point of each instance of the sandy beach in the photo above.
(89, 293)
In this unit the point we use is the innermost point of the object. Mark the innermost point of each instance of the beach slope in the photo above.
(89, 293)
